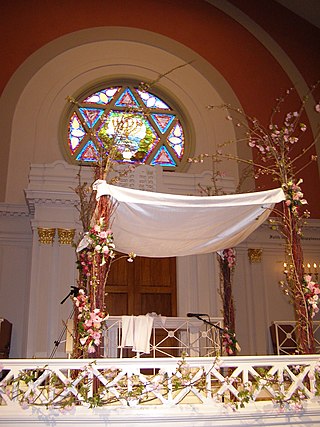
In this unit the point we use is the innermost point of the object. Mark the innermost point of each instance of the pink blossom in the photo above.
(105, 250)
(91, 349)
(317, 108)
(24, 404)
(97, 228)
(95, 317)
(308, 278)
(103, 234)
(96, 335)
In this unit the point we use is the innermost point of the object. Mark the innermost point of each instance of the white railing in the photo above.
(284, 337)
(170, 337)
(234, 381)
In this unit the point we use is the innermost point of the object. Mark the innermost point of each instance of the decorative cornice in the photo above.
(40, 198)
(11, 210)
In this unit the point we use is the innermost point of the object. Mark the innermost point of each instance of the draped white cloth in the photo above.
(136, 333)
(164, 225)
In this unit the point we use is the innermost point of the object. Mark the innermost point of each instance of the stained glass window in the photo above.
(139, 125)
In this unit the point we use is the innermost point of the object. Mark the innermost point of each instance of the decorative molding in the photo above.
(255, 255)
(46, 235)
(42, 198)
(12, 210)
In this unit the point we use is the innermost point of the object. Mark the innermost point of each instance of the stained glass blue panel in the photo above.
(152, 101)
(91, 115)
(163, 121)
(163, 158)
(89, 153)
(127, 99)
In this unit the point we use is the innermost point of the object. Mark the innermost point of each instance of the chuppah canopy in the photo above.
(164, 225)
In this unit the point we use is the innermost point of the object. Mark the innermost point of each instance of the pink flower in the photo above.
(91, 349)
(103, 234)
(96, 335)
(105, 250)
(95, 317)
(317, 108)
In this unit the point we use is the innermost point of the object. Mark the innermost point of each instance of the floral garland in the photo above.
(311, 293)
(99, 240)
(294, 195)
(229, 255)
(230, 343)
(58, 394)
(95, 250)
(90, 325)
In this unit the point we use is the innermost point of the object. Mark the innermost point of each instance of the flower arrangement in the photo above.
(97, 239)
(90, 323)
(294, 195)
(229, 256)
(311, 294)
(230, 343)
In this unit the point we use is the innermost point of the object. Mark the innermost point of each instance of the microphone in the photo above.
(74, 291)
(196, 314)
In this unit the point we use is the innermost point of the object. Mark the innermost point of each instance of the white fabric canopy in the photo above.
(164, 225)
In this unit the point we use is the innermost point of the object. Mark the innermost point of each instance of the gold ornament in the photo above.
(46, 235)
(254, 255)
(66, 236)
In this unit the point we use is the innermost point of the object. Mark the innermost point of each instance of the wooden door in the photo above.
(144, 286)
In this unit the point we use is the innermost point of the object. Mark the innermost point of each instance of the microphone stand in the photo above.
(74, 292)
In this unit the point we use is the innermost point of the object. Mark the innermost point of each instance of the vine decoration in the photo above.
(43, 387)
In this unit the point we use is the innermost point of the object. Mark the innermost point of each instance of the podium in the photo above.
(5, 338)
